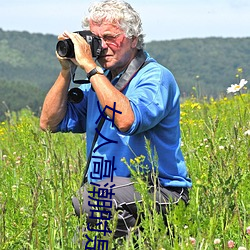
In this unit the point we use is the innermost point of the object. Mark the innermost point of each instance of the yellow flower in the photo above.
(195, 105)
(132, 162)
(240, 70)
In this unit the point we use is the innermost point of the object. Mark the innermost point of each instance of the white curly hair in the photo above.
(120, 13)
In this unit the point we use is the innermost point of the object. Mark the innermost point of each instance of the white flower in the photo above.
(237, 87)
(242, 248)
(22, 210)
(246, 133)
(217, 241)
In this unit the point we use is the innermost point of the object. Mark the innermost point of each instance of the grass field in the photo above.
(40, 172)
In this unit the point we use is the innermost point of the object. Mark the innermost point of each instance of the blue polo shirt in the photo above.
(154, 97)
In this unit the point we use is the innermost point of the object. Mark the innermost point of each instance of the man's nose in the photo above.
(104, 44)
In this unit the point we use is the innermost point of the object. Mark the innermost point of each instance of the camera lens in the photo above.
(75, 95)
(65, 48)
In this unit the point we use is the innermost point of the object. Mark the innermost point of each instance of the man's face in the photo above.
(118, 50)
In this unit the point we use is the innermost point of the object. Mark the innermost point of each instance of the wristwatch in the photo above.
(96, 70)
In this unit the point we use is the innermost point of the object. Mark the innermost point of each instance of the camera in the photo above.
(65, 48)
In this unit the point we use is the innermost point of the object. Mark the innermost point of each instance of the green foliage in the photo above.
(28, 58)
(40, 172)
(208, 62)
(28, 68)
(37, 181)
(14, 95)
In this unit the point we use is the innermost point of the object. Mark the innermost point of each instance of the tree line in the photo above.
(202, 67)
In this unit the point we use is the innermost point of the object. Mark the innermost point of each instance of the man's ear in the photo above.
(134, 42)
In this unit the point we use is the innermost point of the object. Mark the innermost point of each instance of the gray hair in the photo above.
(120, 13)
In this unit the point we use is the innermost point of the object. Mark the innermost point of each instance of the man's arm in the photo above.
(55, 103)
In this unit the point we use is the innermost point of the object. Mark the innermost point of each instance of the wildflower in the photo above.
(123, 159)
(216, 241)
(198, 182)
(137, 159)
(14, 188)
(45, 216)
(195, 106)
(230, 244)
(221, 147)
(240, 70)
(242, 248)
(237, 87)
(132, 162)
(192, 240)
(248, 230)
(247, 133)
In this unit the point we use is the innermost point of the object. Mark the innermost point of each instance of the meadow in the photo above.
(40, 172)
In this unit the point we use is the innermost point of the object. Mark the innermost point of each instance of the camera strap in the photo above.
(136, 64)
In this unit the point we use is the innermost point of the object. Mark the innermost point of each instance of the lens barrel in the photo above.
(75, 95)
(65, 48)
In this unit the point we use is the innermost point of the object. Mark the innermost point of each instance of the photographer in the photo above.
(140, 98)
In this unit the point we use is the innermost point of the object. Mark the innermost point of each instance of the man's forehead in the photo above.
(104, 27)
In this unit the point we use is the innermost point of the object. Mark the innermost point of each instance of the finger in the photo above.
(63, 36)
(75, 37)
(66, 33)
(69, 60)
(70, 35)
(59, 57)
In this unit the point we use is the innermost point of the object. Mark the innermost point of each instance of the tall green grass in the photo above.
(40, 172)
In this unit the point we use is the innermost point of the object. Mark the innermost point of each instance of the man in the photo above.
(141, 101)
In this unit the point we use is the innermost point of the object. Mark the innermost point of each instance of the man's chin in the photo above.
(105, 63)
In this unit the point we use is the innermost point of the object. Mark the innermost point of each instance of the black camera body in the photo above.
(65, 48)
